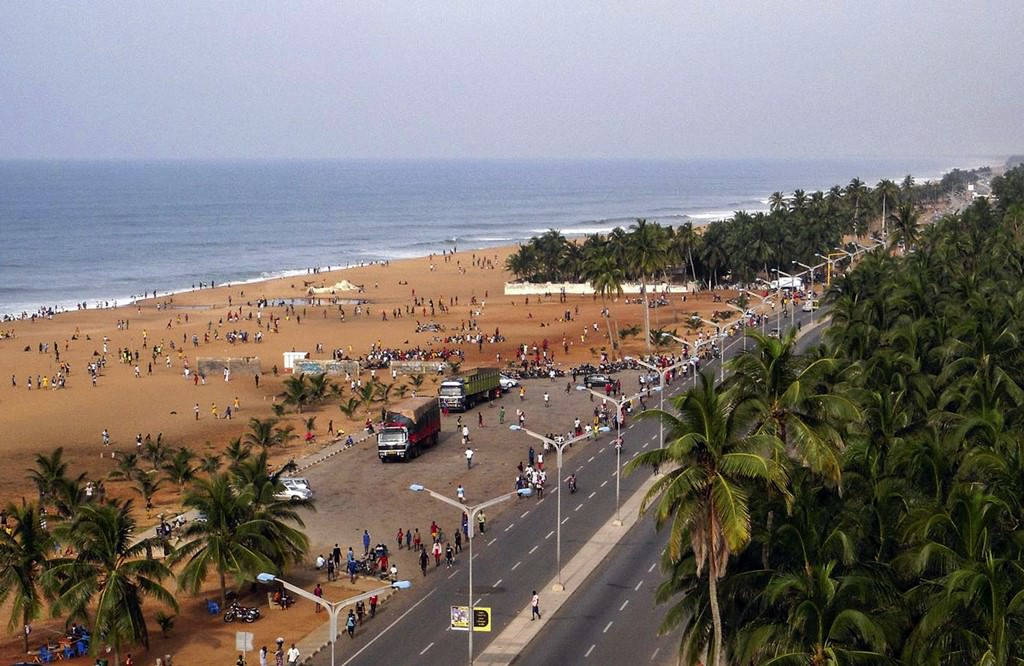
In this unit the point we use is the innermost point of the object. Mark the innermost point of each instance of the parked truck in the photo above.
(409, 427)
(462, 392)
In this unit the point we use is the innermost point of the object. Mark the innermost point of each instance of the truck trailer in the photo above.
(462, 392)
(409, 427)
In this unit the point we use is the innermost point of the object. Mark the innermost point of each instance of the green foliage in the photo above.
(896, 538)
(22, 563)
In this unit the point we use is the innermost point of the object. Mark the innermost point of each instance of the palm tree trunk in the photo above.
(223, 590)
(716, 617)
(647, 316)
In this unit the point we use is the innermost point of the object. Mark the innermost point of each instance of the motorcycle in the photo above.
(236, 611)
(572, 485)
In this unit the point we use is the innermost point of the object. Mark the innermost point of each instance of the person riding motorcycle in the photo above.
(571, 481)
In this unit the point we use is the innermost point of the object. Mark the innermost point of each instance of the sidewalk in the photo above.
(517, 635)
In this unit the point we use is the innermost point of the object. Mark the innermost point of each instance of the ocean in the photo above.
(104, 231)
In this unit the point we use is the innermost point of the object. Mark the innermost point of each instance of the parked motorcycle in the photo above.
(236, 611)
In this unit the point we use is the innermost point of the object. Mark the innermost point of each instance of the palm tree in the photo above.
(209, 464)
(22, 563)
(237, 452)
(777, 202)
(648, 256)
(904, 222)
(156, 452)
(783, 395)
(127, 468)
(266, 433)
(296, 391)
(147, 486)
(180, 470)
(712, 464)
(50, 472)
(368, 395)
(350, 407)
(606, 277)
(417, 381)
(230, 540)
(105, 584)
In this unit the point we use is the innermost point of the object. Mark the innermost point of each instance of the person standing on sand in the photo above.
(196, 409)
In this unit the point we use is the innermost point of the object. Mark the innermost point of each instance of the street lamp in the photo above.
(472, 511)
(333, 607)
(764, 300)
(743, 323)
(661, 391)
(558, 587)
(792, 310)
(618, 442)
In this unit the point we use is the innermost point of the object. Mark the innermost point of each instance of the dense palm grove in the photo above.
(794, 229)
(80, 556)
(861, 503)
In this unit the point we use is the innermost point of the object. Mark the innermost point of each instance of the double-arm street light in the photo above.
(765, 300)
(619, 405)
(472, 511)
(558, 587)
(333, 607)
(661, 390)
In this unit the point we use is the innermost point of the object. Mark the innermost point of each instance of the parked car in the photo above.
(295, 482)
(293, 492)
(597, 379)
(507, 383)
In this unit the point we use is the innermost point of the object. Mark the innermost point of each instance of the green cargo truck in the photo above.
(462, 392)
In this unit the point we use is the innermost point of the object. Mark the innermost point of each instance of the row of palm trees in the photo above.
(85, 559)
(861, 502)
(795, 228)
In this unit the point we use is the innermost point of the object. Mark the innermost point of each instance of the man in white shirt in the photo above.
(293, 655)
(469, 458)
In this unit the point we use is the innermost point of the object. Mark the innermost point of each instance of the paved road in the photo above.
(516, 556)
(613, 618)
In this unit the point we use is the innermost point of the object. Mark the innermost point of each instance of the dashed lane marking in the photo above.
(388, 628)
(424, 650)
(607, 626)
(516, 565)
(651, 568)
(493, 540)
(452, 574)
(565, 520)
(589, 650)
(532, 550)
(498, 582)
(604, 483)
(591, 495)
(645, 445)
(579, 507)
(655, 654)
(624, 604)
(590, 459)
(549, 534)
(524, 513)
(509, 527)
(601, 450)
(638, 586)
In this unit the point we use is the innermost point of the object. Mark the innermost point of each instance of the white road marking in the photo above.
(453, 574)
(624, 604)
(493, 540)
(590, 459)
(509, 527)
(589, 650)
(549, 534)
(532, 549)
(608, 626)
(388, 628)
(645, 445)
(424, 650)
(636, 453)
(655, 653)
(565, 520)
(615, 473)
(601, 450)
(524, 513)
(651, 568)
(591, 495)
(498, 582)
(516, 565)
(654, 437)
(476, 556)
(638, 586)
(579, 507)
(477, 602)
(604, 483)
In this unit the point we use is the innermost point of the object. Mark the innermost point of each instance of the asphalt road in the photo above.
(613, 619)
(517, 555)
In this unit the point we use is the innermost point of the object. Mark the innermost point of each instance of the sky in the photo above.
(510, 79)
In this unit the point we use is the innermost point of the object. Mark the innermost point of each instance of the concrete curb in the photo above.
(521, 630)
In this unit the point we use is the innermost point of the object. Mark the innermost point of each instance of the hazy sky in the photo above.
(510, 79)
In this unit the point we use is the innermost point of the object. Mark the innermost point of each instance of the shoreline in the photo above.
(584, 225)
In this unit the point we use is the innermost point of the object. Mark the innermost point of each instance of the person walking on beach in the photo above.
(469, 458)
(196, 409)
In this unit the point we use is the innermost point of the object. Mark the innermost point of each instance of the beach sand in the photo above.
(38, 421)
